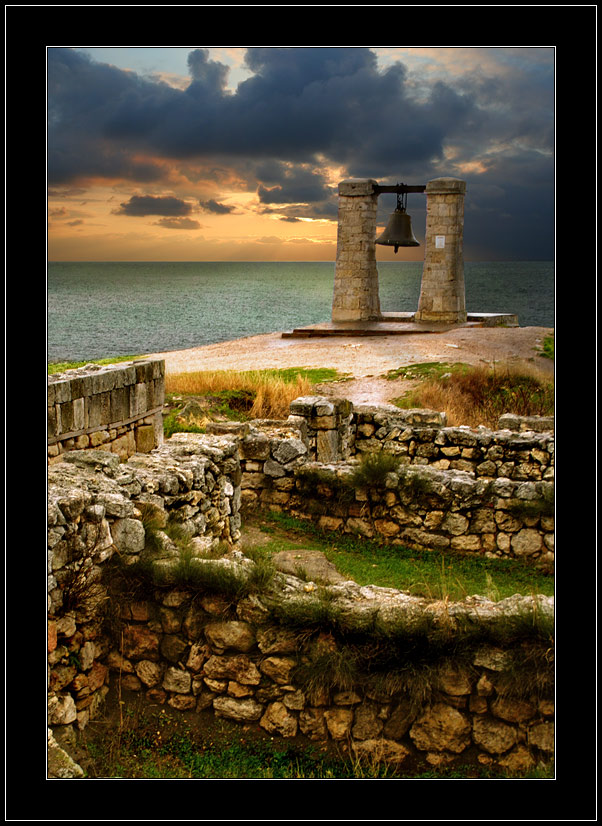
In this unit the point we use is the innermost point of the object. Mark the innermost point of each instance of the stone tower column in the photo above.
(356, 276)
(442, 294)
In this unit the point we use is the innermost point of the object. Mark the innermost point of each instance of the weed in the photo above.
(262, 573)
(328, 670)
(173, 424)
(373, 469)
(317, 484)
(531, 508)
(316, 611)
(480, 395)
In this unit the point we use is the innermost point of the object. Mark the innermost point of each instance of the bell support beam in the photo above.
(399, 189)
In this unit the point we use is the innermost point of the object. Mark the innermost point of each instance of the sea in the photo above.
(101, 310)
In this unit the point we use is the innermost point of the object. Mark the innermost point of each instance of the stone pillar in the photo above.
(442, 294)
(356, 276)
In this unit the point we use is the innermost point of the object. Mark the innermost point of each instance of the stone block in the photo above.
(145, 439)
(327, 446)
(356, 187)
(138, 399)
(66, 417)
(79, 414)
(119, 404)
(62, 391)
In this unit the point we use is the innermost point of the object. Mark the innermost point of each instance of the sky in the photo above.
(235, 154)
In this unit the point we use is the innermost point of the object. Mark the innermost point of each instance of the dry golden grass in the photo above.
(271, 394)
(480, 395)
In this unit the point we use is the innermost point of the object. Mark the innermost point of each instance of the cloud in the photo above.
(141, 205)
(305, 110)
(300, 102)
(178, 223)
(213, 206)
(291, 185)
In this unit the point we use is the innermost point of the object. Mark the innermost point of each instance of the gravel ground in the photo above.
(366, 358)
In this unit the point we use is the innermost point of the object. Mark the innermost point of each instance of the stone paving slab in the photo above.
(395, 324)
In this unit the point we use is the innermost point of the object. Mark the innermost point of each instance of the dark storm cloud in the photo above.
(140, 205)
(215, 207)
(282, 184)
(306, 106)
(300, 102)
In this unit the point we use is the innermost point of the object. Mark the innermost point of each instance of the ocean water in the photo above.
(106, 309)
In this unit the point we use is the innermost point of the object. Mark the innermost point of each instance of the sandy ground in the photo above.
(366, 358)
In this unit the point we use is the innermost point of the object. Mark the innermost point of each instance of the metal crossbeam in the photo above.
(398, 188)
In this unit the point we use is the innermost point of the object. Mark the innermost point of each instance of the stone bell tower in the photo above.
(442, 295)
(356, 295)
(442, 292)
(356, 302)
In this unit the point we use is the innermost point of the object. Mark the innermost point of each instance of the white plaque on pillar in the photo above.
(439, 242)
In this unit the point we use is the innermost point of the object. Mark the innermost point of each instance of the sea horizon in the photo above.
(105, 309)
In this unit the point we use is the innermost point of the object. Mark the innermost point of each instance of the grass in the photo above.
(254, 394)
(426, 370)
(61, 366)
(429, 574)
(480, 395)
(548, 347)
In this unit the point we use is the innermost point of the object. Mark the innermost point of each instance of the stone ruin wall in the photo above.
(459, 489)
(231, 658)
(116, 407)
(197, 650)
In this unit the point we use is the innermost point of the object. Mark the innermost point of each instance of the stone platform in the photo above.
(396, 324)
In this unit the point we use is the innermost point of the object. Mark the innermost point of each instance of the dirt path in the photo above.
(366, 359)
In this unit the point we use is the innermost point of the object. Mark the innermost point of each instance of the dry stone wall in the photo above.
(259, 658)
(115, 406)
(202, 652)
(455, 488)
(193, 647)
(99, 509)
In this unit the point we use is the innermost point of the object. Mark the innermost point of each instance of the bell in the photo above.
(398, 232)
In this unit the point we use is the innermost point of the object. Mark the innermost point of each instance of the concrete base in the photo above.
(396, 324)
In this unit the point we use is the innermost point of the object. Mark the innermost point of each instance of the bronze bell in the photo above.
(398, 232)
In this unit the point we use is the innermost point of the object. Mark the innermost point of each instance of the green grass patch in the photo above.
(430, 574)
(548, 347)
(426, 370)
(61, 366)
(316, 375)
(172, 424)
